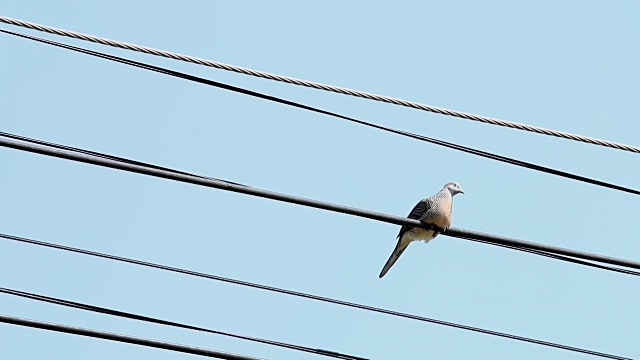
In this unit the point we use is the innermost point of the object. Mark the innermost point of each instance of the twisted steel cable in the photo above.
(321, 86)
(236, 89)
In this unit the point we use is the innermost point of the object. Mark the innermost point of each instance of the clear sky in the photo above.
(569, 65)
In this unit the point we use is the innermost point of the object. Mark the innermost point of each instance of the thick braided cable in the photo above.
(321, 86)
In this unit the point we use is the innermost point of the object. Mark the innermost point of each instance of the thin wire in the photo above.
(321, 86)
(325, 112)
(104, 156)
(133, 316)
(563, 258)
(123, 338)
(398, 220)
(478, 118)
(310, 296)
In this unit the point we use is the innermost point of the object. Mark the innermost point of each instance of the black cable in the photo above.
(310, 296)
(561, 257)
(561, 253)
(133, 316)
(325, 112)
(451, 232)
(107, 156)
(123, 338)
(104, 156)
(224, 185)
(424, 138)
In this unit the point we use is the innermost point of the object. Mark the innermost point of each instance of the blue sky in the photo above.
(570, 66)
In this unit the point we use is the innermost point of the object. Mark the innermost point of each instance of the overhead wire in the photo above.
(320, 86)
(128, 315)
(451, 231)
(400, 132)
(104, 156)
(325, 112)
(310, 296)
(562, 258)
(229, 186)
(123, 338)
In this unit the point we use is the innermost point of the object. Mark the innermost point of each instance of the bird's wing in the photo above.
(418, 211)
(400, 246)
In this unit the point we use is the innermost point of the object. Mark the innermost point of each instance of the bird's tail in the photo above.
(394, 257)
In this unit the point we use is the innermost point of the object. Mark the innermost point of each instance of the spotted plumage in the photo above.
(434, 211)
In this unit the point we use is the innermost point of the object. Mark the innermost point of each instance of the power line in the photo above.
(310, 296)
(325, 112)
(321, 86)
(224, 185)
(123, 338)
(564, 258)
(104, 156)
(444, 111)
(133, 316)
(522, 244)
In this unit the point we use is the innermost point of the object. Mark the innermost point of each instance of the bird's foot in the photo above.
(435, 228)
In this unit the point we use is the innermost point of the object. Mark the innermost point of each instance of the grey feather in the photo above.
(435, 211)
(416, 213)
(393, 258)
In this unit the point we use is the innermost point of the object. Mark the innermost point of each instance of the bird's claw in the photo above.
(435, 228)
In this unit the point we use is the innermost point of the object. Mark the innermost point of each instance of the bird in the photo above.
(435, 212)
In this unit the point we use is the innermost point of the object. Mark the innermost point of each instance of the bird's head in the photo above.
(454, 188)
